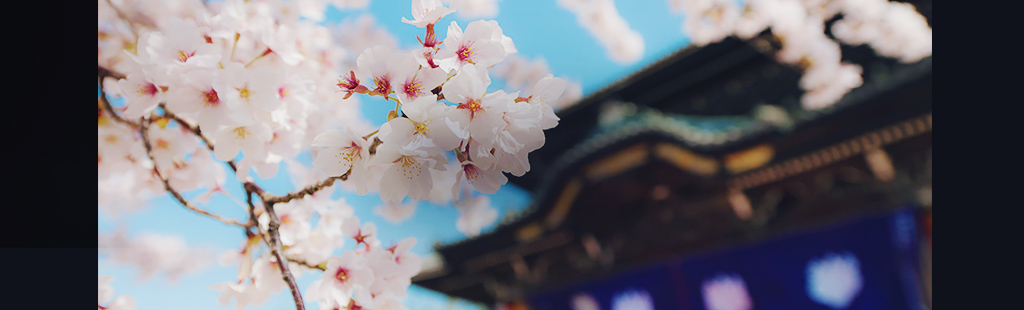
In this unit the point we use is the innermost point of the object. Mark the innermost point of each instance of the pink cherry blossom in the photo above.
(474, 214)
(396, 212)
(425, 12)
(482, 44)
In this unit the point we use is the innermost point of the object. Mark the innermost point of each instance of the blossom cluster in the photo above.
(367, 274)
(106, 296)
(521, 73)
(470, 9)
(600, 17)
(255, 83)
(892, 29)
(155, 253)
(443, 110)
(253, 77)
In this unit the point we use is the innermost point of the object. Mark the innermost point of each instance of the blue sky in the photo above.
(540, 29)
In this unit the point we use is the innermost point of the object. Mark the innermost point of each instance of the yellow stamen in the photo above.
(240, 132)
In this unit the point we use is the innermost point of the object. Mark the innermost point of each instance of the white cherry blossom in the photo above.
(482, 44)
(600, 17)
(177, 48)
(244, 294)
(378, 62)
(170, 145)
(426, 12)
(342, 275)
(260, 78)
(250, 140)
(123, 302)
(142, 93)
(474, 214)
(410, 158)
(471, 9)
(105, 291)
(396, 212)
(415, 81)
(427, 118)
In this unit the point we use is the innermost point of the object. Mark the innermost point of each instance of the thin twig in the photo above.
(167, 185)
(199, 133)
(104, 72)
(306, 264)
(248, 200)
(110, 108)
(309, 190)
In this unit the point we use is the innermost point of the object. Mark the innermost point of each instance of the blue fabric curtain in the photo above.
(867, 263)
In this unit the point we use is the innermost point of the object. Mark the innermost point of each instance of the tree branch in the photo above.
(250, 188)
(309, 190)
(144, 129)
(275, 239)
(104, 72)
(110, 109)
(199, 133)
(282, 263)
(307, 264)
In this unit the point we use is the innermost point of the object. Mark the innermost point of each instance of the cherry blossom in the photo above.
(396, 212)
(123, 302)
(481, 44)
(202, 84)
(892, 29)
(475, 213)
(171, 145)
(410, 159)
(345, 152)
(153, 253)
(378, 62)
(342, 276)
(429, 118)
(243, 294)
(524, 74)
(105, 292)
(141, 91)
(477, 112)
(470, 9)
(602, 20)
(426, 12)
(250, 140)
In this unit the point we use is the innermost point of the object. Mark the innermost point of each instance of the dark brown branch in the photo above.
(104, 72)
(250, 188)
(110, 109)
(309, 190)
(275, 248)
(275, 239)
(199, 133)
(252, 207)
(167, 185)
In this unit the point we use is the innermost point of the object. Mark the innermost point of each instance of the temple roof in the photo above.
(703, 121)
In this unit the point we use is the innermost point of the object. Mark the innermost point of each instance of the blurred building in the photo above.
(702, 175)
